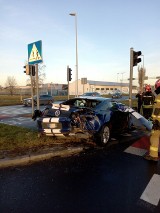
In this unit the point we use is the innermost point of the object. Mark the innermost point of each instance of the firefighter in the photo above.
(147, 102)
(139, 101)
(155, 133)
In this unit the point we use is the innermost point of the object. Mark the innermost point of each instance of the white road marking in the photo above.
(135, 151)
(151, 193)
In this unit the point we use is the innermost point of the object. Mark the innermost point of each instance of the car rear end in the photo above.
(55, 121)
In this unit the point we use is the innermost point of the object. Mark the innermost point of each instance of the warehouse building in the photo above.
(103, 87)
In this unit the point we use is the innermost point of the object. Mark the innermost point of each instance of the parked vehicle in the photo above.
(43, 100)
(117, 94)
(91, 94)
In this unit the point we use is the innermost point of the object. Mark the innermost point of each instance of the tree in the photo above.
(10, 84)
(141, 77)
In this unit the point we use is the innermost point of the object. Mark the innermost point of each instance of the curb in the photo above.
(28, 159)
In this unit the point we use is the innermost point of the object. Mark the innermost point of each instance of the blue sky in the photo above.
(106, 32)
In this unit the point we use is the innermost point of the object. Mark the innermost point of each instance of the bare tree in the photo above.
(10, 84)
(141, 77)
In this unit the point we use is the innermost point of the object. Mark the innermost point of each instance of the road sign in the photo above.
(35, 52)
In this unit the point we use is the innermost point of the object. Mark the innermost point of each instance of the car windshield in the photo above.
(82, 103)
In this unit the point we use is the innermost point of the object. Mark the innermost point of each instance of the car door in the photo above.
(103, 111)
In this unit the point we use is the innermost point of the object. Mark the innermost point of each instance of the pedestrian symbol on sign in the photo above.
(34, 56)
(35, 52)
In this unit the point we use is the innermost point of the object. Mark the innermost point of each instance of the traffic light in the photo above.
(27, 69)
(136, 60)
(69, 74)
(33, 70)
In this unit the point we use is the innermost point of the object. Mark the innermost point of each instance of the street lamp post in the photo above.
(122, 80)
(51, 87)
(143, 61)
(143, 77)
(122, 75)
(117, 76)
(74, 14)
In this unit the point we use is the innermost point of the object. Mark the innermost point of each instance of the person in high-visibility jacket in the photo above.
(147, 102)
(155, 132)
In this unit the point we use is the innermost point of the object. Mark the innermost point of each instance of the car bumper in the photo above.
(60, 127)
(53, 126)
(26, 103)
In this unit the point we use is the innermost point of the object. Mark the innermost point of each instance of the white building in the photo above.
(102, 87)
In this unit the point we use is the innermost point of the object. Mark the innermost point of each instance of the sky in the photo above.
(106, 30)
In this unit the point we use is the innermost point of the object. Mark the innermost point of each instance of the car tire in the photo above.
(104, 135)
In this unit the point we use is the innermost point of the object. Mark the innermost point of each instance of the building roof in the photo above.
(106, 83)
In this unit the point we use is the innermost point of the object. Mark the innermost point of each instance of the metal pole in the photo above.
(51, 88)
(37, 85)
(131, 77)
(122, 80)
(143, 76)
(74, 14)
(75, 84)
(68, 80)
(117, 76)
(32, 93)
(76, 53)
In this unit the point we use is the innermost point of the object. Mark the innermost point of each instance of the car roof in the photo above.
(98, 98)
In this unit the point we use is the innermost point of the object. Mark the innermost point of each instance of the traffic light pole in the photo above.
(68, 80)
(68, 90)
(131, 77)
(32, 94)
(37, 85)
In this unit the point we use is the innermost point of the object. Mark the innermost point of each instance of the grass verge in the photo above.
(19, 141)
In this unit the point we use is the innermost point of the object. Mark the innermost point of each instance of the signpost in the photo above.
(35, 52)
(34, 58)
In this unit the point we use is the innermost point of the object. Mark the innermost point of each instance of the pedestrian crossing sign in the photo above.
(35, 52)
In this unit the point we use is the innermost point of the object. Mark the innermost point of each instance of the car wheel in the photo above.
(35, 103)
(104, 135)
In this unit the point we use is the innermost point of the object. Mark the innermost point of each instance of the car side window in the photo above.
(106, 106)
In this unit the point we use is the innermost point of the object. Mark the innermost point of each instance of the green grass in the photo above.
(8, 100)
(20, 140)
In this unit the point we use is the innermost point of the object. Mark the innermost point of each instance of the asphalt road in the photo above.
(18, 115)
(115, 179)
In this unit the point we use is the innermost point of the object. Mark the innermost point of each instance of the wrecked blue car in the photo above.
(98, 118)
